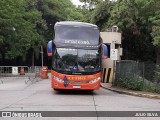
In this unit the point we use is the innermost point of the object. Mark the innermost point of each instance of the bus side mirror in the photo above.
(104, 51)
(49, 48)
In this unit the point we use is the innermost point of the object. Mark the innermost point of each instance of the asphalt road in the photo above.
(15, 95)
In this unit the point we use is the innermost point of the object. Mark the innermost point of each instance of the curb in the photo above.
(132, 93)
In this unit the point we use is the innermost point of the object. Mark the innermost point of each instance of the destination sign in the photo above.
(85, 42)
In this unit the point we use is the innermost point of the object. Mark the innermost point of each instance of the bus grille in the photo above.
(78, 82)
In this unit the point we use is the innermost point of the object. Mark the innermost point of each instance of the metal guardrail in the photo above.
(20, 72)
(35, 74)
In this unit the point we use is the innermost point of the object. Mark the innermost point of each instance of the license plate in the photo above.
(76, 86)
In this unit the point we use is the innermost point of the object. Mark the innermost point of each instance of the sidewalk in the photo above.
(130, 92)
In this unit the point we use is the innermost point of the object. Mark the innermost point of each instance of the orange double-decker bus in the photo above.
(76, 53)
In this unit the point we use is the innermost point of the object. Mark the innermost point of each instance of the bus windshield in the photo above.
(76, 61)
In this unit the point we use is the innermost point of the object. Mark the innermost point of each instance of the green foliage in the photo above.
(152, 87)
(101, 14)
(72, 13)
(90, 4)
(137, 83)
(87, 10)
(17, 33)
(28, 24)
(156, 29)
(138, 76)
(133, 19)
(157, 74)
(132, 83)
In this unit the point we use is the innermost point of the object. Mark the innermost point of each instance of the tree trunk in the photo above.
(158, 56)
(3, 58)
(33, 57)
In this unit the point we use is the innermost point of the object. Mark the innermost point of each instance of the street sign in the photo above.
(114, 54)
(15, 70)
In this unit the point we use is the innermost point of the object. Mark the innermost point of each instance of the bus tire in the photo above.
(90, 91)
(55, 89)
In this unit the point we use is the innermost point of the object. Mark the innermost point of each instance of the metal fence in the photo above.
(20, 72)
(137, 76)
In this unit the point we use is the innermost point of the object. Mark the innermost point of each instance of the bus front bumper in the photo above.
(60, 85)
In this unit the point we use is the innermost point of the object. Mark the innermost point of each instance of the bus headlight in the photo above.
(94, 80)
(58, 79)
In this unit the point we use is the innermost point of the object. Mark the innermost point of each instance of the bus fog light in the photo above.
(96, 85)
(56, 84)
(94, 80)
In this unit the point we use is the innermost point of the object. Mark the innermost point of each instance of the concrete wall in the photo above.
(107, 63)
(110, 37)
(114, 40)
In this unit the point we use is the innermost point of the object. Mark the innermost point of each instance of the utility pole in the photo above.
(33, 57)
(42, 54)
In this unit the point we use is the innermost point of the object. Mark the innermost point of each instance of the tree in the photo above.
(17, 33)
(156, 30)
(35, 17)
(135, 25)
(57, 10)
(101, 14)
(90, 4)
(70, 11)
(28, 24)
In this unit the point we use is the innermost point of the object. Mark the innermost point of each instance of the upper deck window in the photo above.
(77, 35)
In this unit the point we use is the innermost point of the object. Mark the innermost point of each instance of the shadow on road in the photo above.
(74, 92)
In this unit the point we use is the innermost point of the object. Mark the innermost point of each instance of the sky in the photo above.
(76, 2)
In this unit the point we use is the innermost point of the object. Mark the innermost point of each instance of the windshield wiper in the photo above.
(77, 73)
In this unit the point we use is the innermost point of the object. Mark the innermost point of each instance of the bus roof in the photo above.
(76, 24)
